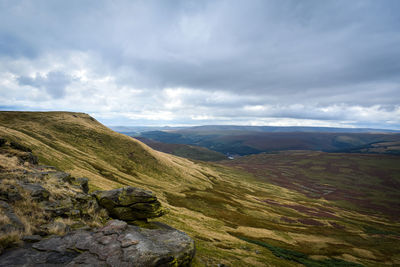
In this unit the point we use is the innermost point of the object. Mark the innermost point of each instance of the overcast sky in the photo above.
(309, 62)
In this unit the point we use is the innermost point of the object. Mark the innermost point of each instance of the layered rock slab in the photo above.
(116, 244)
(130, 203)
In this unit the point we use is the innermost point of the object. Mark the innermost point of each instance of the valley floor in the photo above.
(314, 208)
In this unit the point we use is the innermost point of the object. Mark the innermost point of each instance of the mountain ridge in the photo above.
(199, 128)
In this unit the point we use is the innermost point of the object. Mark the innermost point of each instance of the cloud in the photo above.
(198, 61)
(54, 82)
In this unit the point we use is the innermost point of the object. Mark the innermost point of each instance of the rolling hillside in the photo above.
(235, 217)
(246, 142)
(77, 143)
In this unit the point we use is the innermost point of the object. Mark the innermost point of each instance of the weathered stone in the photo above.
(140, 214)
(36, 191)
(32, 238)
(79, 225)
(83, 198)
(10, 193)
(87, 259)
(55, 208)
(129, 214)
(128, 240)
(31, 257)
(130, 203)
(62, 176)
(114, 227)
(122, 213)
(116, 244)
(84, 184)
(125, 196)
(15, 222)
(147, 207)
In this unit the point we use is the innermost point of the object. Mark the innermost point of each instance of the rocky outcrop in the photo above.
(36, 191)
(52, 220)
(40, 200)
(116, 244)
(130, 203)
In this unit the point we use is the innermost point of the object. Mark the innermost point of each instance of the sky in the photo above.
(284, 63)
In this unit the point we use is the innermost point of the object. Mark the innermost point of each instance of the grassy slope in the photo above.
(354, 198)
(185, 151)
(77, 143)
(212, 203)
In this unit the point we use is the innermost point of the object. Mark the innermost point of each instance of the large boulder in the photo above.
(130, 203)
(116, 244)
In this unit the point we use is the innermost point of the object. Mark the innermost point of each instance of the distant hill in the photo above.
(238, 129)
(281, 129)
(241, 142)
(136, 130)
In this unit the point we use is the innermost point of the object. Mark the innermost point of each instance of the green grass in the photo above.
(301, 257)
(372, 230)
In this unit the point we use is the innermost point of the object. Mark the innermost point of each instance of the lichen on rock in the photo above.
(130, 203)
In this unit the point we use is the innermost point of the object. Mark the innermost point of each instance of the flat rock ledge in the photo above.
(115, 244)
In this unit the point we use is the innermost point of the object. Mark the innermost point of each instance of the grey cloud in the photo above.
(53, 82)
(13, 46)
(282, 52)
(262, 46)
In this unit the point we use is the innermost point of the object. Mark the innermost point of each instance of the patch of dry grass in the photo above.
(30, 213)
(10, 163)
(98, 216)
(4, 219)
(10, 239)
(57, 228)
